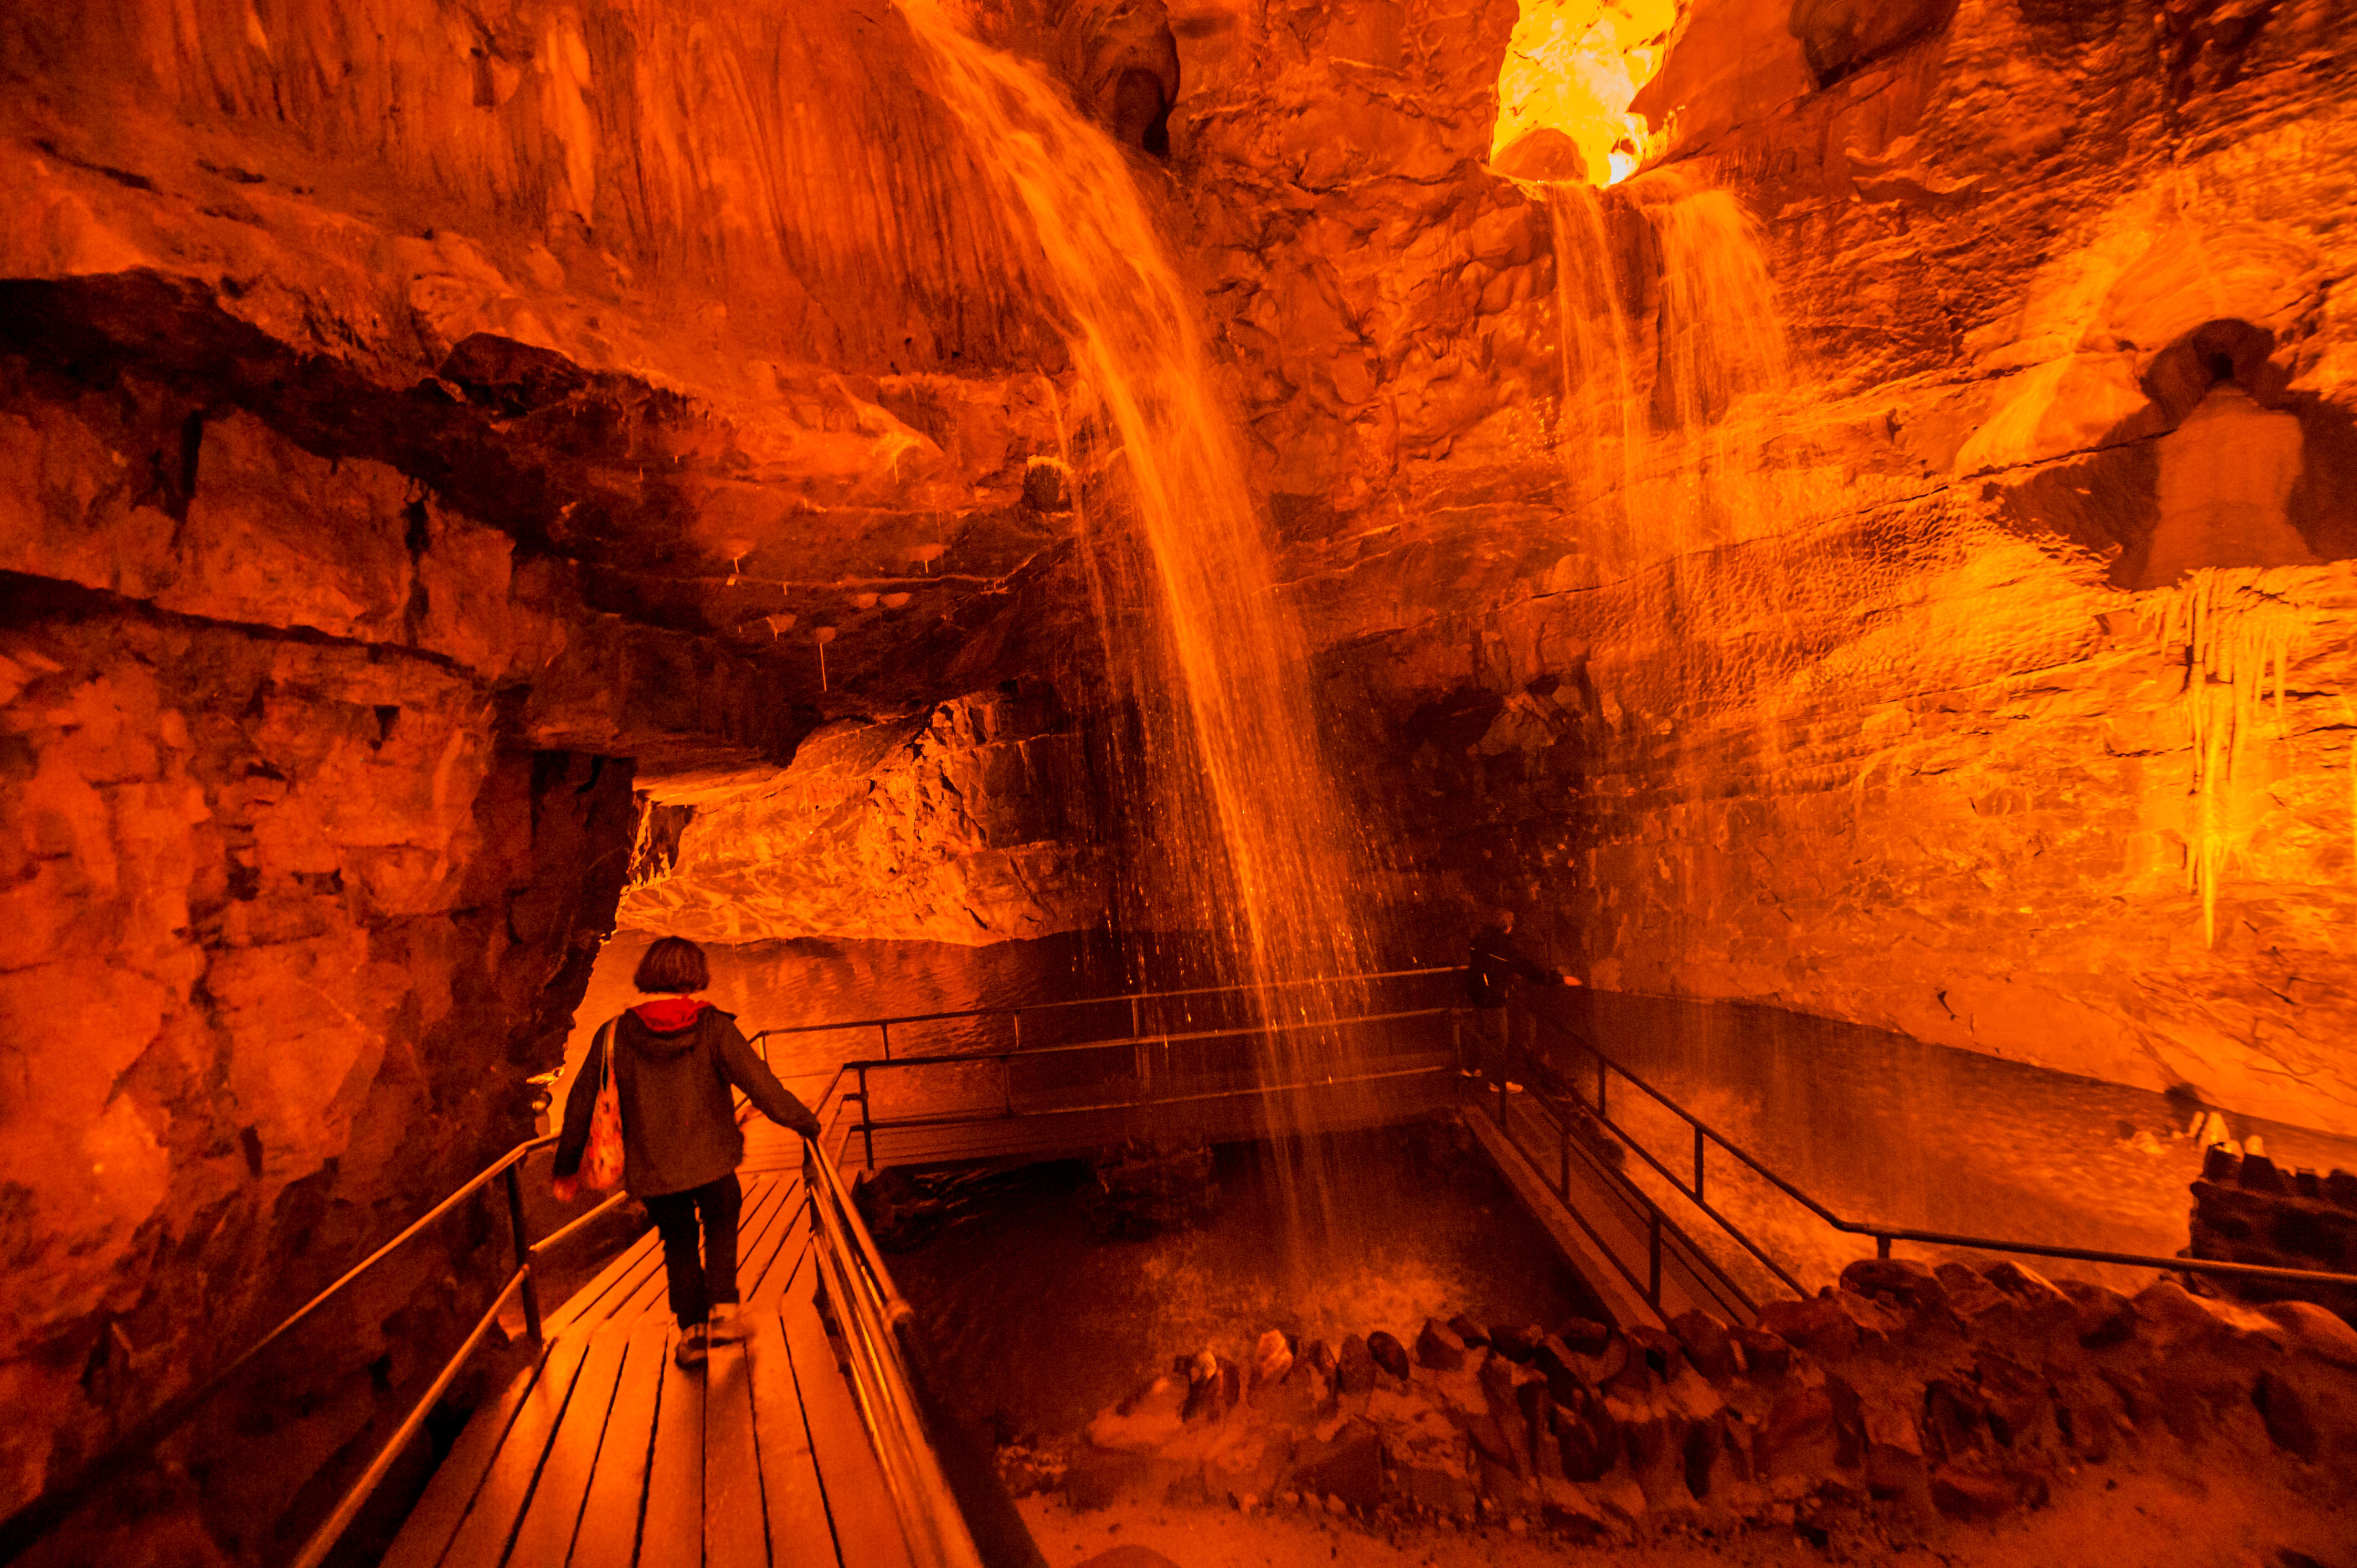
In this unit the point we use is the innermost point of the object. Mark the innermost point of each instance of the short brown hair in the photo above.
(675, 965)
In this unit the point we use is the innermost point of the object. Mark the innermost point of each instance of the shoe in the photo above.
(695, 1347)
(727, 1325)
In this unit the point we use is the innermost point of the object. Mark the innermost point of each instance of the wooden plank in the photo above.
(733, 1533)
(866, 1529)
(792, 1223)
(674, 1534)
(545, 1535)
(592, 1300)
(426, 1534)
(483, 1535)
(609, 1537)
(791, 1493)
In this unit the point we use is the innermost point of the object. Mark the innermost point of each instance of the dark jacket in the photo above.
(1493, 963)
(679, 1122)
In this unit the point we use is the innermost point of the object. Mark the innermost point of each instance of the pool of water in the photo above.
(1037, 1322)
(1885, 1128)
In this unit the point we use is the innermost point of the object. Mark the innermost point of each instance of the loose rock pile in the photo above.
(2248, 1210)
(1959, 1391)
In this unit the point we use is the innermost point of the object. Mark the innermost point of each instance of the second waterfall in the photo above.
(1235, 828)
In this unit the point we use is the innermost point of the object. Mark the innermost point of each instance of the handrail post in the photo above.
(1563, 1182)
(1602, 1067)
(1882, 1246)
(866, 1121)
(1697, 1190)
(523, 1254)
(1653, 1275)
(884, 1028)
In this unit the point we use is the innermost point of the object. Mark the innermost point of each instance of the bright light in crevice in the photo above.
(1571, 69)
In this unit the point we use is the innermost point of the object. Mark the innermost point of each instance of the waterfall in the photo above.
(1222, 767)
(1599, 399)
(1666, 387)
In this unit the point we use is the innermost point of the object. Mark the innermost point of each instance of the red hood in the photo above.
(669, 1013)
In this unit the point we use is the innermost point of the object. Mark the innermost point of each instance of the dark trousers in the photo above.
(1490, 1032)
(697, 1282)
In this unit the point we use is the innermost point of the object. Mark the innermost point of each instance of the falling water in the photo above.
(1666, 391)
(1223, 765)
(1599, 399)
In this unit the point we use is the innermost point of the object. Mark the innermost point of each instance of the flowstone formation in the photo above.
(1906, 1397)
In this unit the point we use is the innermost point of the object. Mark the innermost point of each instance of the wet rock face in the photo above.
(1898, 650)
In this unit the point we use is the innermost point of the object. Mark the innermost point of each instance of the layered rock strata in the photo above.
(971, 822)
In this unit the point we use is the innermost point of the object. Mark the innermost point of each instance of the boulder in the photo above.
(1584, 1334)
(1799, 1437)
(2104, 1317)
(1587, 1437)
(1354, 1368)
(1469, 1331)
(1556, 1362)
(1909, 1282)
(1272, 1357)
(1709, 1347)
(1517, 1344)
(1767, 1355)
(1214, 1390)
(1439, 1347)
(1656, 1350)
(2289, 1414)
(1388, 1352)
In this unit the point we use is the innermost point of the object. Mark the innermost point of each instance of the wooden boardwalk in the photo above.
(605, 1454)
(608, 1455)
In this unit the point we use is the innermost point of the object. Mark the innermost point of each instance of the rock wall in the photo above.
(1873, 689)
(318, 797)
(970, 822)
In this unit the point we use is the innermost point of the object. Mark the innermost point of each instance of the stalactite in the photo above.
(2238, 639)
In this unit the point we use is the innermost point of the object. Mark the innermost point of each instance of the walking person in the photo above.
(673, 1059)
(1492, 967)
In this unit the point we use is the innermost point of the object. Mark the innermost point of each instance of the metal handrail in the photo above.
(1017, 1010)
(873, 1316)
(1882, 1234)
(22, 1529)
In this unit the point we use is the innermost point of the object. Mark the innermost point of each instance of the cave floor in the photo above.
(2218, 1506)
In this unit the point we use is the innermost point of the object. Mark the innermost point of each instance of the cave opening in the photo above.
(1511, 779)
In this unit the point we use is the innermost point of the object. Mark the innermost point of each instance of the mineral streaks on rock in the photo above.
(970, 822)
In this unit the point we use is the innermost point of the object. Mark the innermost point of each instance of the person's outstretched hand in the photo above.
(566, 1187)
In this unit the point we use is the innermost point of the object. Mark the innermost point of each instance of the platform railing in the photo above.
(36, 1520)
(1684, 1171)
(1135, 1000)
(873, 1316)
